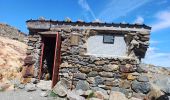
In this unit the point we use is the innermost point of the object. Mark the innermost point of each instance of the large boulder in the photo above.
(141, 87)
(163, 82)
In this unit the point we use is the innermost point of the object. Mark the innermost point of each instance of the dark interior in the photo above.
(48, 58)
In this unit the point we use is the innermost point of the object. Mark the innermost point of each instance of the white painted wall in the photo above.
(95, 46)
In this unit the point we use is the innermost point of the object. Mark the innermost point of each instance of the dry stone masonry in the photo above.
(87, 71)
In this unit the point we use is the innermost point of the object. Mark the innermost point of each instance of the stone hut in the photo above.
(98, 54)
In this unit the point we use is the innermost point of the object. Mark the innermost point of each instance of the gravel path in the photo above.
(23, 95)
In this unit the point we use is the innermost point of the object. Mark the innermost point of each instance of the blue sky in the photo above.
(155, 13)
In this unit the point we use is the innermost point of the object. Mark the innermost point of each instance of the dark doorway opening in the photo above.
(48, 57)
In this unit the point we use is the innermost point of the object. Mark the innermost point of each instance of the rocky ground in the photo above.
(12, 54)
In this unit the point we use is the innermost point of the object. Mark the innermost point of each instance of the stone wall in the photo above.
(86, 71)
(34, 49)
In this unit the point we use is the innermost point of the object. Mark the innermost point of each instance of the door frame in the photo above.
(56, 59)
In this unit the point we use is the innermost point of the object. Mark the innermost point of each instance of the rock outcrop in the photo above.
(11, 32)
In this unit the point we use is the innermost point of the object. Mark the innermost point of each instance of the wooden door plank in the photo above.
(41, 59)
(56, 61)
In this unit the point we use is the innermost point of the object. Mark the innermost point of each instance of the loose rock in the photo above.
(61, 88)
(30, 87)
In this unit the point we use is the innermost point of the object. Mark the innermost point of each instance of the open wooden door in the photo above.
(41, 58)
(57, 60)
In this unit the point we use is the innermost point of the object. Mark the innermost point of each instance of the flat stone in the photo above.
(92, 74)
(83, 85)
(99, 62)
(110, 67)
(85, 69)
(30, 48)
(110, 83)
(81, 76)
(141, 87)
(106, 74)
(143, 78)
(65, 65)
(91, 65)
(33, 39)
(82, 63)
(135, 74)
(97, 68)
